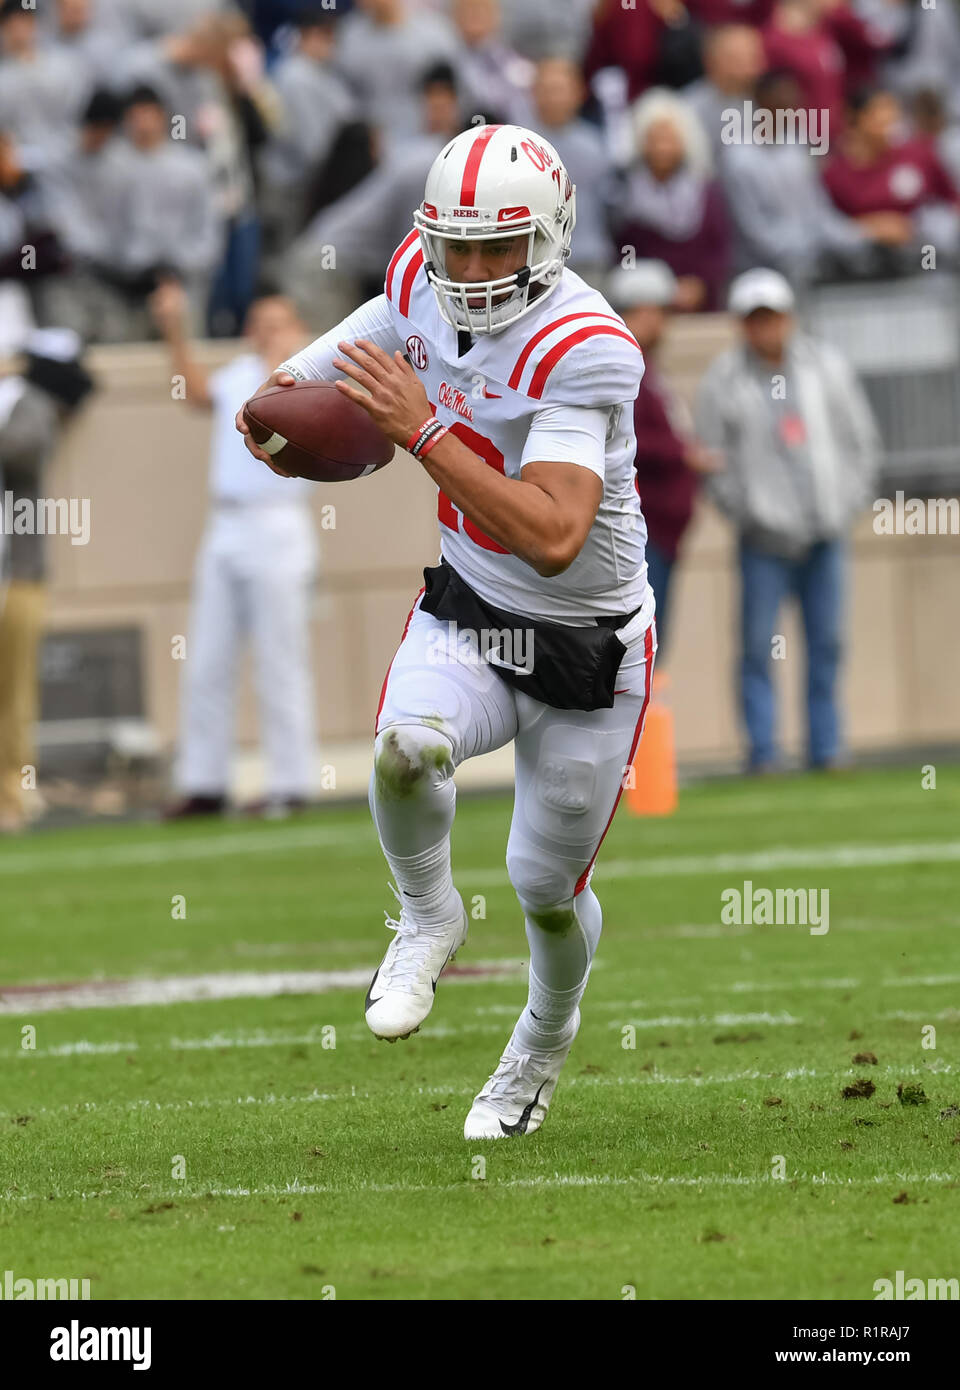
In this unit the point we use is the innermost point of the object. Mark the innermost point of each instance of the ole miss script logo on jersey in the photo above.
(454, 399)
(417, 352)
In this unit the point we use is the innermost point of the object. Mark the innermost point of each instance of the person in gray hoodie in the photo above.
(800, 455)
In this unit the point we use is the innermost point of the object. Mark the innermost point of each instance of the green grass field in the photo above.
(224, 1149)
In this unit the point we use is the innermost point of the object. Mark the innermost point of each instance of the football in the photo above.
(313, 431)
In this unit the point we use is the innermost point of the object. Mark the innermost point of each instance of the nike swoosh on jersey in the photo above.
(491, 395)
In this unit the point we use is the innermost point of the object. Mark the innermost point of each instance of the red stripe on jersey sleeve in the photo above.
(404, 246)
(550, 359)
(406, 285)
(468, 187)
(517, 372)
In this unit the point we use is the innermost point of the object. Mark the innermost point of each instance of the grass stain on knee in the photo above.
(397, 774)
(556, 920)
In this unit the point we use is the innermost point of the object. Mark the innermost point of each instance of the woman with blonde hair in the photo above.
(673, 208)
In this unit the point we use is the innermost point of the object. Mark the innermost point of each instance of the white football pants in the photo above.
(569, 764)
(253, 581)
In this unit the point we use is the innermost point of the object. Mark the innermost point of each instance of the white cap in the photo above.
(760, 289)
(647, 282)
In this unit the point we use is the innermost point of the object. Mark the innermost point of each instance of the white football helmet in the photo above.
(496, 182)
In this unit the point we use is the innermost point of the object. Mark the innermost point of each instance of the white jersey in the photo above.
(558, 385)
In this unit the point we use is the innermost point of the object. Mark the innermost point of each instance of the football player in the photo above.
(511, 381)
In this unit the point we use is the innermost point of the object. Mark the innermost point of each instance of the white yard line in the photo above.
(175, 848)
(148, 1106)
(556, 1180)
(162, 851)
(707, 1020)
(26, 1000)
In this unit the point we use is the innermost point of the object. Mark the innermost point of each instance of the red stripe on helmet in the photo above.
(550, 359)
(468, 188)
(517, 372)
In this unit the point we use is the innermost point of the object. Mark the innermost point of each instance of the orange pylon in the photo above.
(651, 788)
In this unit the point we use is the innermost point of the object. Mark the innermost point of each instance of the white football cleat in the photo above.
(402, 990)
(516, 1097)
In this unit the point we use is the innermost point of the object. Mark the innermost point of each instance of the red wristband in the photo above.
(435, 439)
(431, 420)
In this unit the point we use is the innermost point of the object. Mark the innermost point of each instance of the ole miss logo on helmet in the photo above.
(417, 351)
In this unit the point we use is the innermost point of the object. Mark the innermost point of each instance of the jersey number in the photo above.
(447, 513)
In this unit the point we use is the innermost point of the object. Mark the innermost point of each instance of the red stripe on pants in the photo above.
(648, 654)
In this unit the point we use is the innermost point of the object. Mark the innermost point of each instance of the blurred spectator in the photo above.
(655, 42)
(827, 47)
(673, 209)
(927, 55)
(33, 408)
(712, 13)
(733, 59)
(362, 230)
(543, 29)
(558, 96)
(154, 18)
(314, 104)
(894, 186)
(781, 214)
(352, 157)
(161, 215)
(384, 51)
(930, 118)
(30, 251)
(210, 77)
(42, 89)
(254, 577)
(800, 449)
(491, 76)
(668, 458)
(90, 39)
(76, 186)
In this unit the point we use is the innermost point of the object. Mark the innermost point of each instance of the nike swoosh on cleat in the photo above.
(442, 969)
(369, 999)
(521, 1126)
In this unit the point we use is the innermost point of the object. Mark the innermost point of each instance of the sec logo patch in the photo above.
(417, 352)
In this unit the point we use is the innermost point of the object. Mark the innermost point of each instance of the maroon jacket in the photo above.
(628, 39)
(667, 487)
(752, 12)
(706, 254)
(828, 61)
(902, 180)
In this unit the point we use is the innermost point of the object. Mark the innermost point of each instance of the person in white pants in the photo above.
(254, 577)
